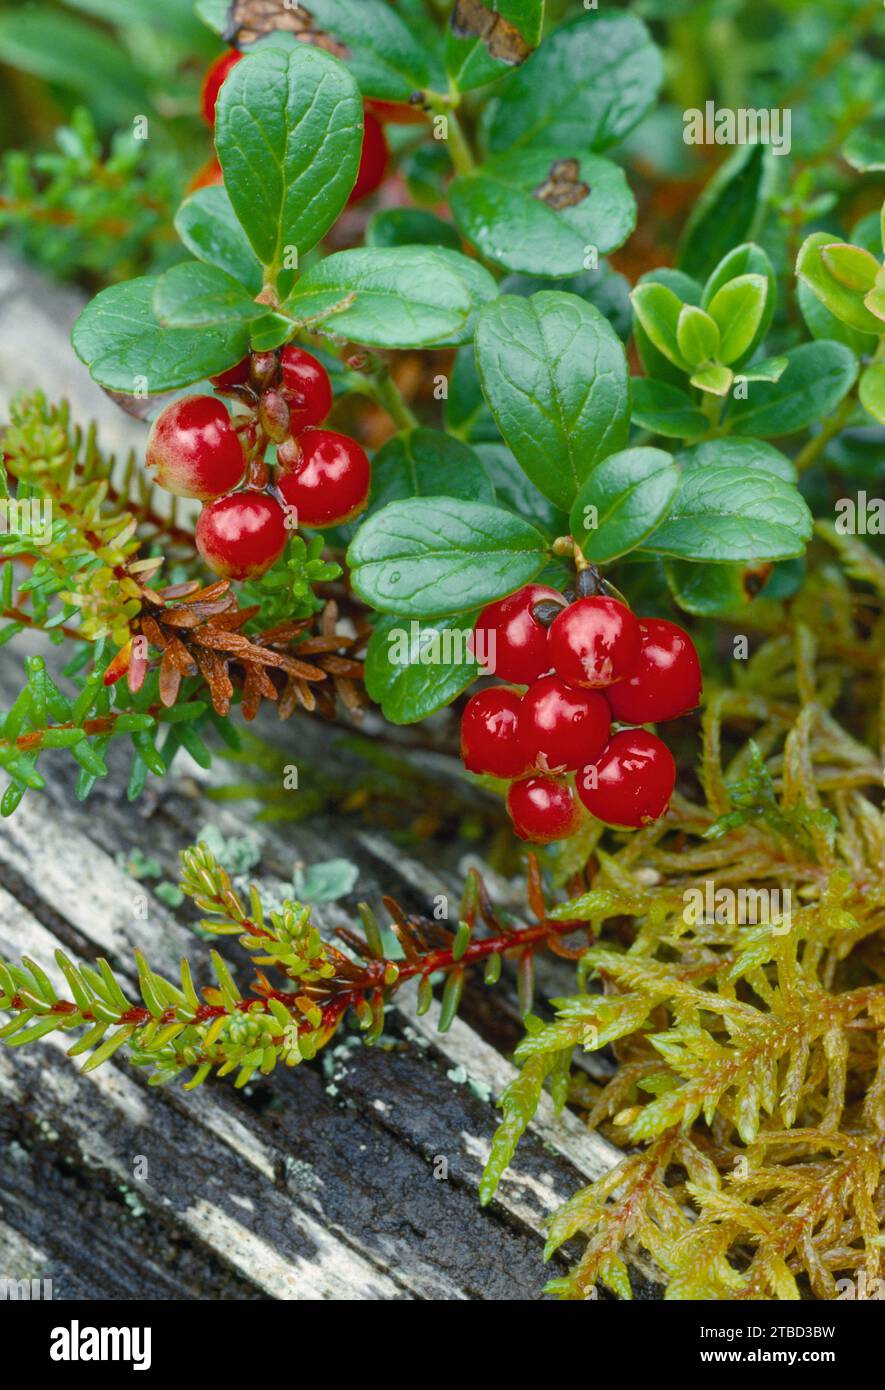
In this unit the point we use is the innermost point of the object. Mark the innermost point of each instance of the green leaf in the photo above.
(865, 147)
(623, 500)
(404, 296)
(747, 259)
(411, 227)
(514, 490)
(766, 369)
(872, 391)
(713, 378)
(817, 377)
(499, 209)
(126, 348)
(852, 266)
(425, 557)
(844, 303)
(655, 363)
(822, 323)
(665, 409)
(469, 56)
(427, 463)
(208, 226)
(288, 132)
(415, 668)
(697, 335)
(62, 49)
(554, 373)
(387, 61)
(715, 590)
(738, 453)
(738, 308)
(658, 308)
(193, 295)
(466, 411)
(726, 211)
(589, 83)
(724, 512)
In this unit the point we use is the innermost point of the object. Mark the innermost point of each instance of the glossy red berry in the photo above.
(306, 386)
(543, 809)
(666, 680)
(397, 112)
(490, 737)
(373, 160)
(509, 641)
(631, 784)
(208, 176)
(241, 536)
(594, 642)
(214, 81)
(234, 376)
(325, 477)
(563, 726)
(195, 450)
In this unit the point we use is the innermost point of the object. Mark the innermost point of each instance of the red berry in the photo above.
(490, 738)
(509, 640)
(207, 176)
(214, 81)
(543, 809)
(397, 112)
(241, 536)
(306, 387)
(373, 160)
(665, 682)
(329, 478)
(631, 784)
(562, 726)
(234, 376)
(195, 449)
(594, 642)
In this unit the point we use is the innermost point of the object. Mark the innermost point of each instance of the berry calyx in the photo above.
(631, 784)
(240, 536)
(373, 160)
(214, 81)
(594, 642)
(195, 450)
(509, 640)
(490, 736)
(543, 810)
(326, 477)
(306, 386)
(563, 726)
(666, 680)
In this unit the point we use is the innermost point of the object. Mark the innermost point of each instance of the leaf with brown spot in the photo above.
(562, 187)
(471, 19)
(250, 20)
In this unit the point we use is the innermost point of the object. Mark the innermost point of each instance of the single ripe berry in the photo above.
(241, 536)
(373, 160)
(195, 449)
(594, 642)
(207, 176)
(509, 641)
(234, 376)
(543, 809)
(631, 784)
(214, 81)
(306, 386)
(397, 112)
(490, 737)
(326, 477)
(563, 727)
(666, 680)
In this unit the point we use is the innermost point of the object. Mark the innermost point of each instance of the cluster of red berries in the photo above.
(198, 449)
(585, 663)
(375, 154)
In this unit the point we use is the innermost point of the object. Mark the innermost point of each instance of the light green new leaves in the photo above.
(697, 335)
(426, 557)
(288, 133)
(826, 268)
(497, 207)
(872, 391)
(658, 310)
(555, 375)
(623, 500)
(737, 309)
(126, 348)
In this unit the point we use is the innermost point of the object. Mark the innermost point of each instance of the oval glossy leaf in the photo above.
(726, 212)
(817, 377)
(208, 226)
(429, 556)
(555, 375)
(387, 60)
(522, 214)
(746, 259)
(665, 409)
(738, 308)
(411, 227)
(192, 295)
(715, 590)
(822, 323)
(126, 348)
(623, 500)
(846, 304)
(872, 391)
(697, 335)
(738, 453)
(288, 132)
(428, 463)
(657, 309)
(589, 83)
(723, 513)
(415, 668)
(488, 38)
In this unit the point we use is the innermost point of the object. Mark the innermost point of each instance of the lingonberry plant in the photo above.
(581, 469)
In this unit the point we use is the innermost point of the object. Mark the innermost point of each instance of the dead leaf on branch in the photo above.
(471, 19)
(251, 20)
(562, 187)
